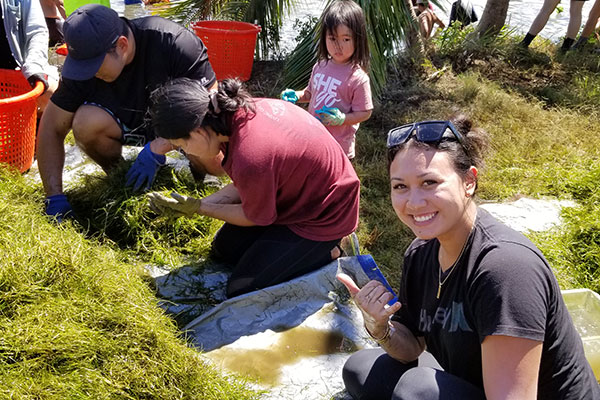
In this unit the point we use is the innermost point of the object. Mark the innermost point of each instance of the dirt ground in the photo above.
(266, 79)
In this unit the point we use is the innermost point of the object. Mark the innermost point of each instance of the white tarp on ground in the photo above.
(529, 214)
(267, 334)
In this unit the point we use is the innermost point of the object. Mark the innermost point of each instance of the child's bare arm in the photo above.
(357, 117)
(334, 117)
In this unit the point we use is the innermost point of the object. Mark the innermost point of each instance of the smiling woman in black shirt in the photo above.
(479, 296)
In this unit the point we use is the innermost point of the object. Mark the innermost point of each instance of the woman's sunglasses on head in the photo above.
(424, 131)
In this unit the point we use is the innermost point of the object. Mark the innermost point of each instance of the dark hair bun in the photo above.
(476, 139)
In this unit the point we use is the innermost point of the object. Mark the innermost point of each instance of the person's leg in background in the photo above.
(575, 10)
(539, 22)
(276, 255)
(590, 26)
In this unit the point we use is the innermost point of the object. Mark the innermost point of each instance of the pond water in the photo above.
(266, 364)
(521, 14)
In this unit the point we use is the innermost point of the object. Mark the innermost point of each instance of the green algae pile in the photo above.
(77, 322)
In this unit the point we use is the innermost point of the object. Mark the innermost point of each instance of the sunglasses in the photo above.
(425, 131)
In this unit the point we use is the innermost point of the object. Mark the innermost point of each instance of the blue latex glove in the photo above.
(58, 206)
(289, 95)
(330, 116)
(144, 169)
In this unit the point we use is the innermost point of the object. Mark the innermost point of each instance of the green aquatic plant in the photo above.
(109, 210)
(78, 322)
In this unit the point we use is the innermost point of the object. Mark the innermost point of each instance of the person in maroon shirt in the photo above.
(294, 194)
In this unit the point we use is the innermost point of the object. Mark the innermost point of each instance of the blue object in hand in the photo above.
(144, 169)
(289, 95)
(374, 273)
(323, 109)
(330, 116)
(58, 206)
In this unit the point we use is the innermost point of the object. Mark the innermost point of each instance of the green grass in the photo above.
(574, 248)
(77, 322)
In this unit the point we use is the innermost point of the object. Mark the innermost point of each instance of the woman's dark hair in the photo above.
(345, 12)
(183, 104)
(470, 153)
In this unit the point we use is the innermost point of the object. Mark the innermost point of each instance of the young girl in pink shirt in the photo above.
(339, 92)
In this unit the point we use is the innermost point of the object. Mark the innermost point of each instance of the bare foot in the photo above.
(336, 253)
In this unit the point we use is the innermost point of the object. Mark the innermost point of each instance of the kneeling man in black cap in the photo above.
(112, 66)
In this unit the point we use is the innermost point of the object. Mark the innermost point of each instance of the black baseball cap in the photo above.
(90, 31)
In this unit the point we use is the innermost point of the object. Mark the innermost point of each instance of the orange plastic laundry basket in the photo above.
(230, 46)
(18, 111)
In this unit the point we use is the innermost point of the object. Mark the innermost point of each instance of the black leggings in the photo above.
(372, 374)
(267, 255)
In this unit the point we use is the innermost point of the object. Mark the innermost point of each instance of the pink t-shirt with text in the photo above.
(344, 86)
(290, 171)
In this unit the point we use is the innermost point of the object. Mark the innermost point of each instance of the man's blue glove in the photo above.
(58, 206)
(289, 95)
(144, 169)
(330, 116)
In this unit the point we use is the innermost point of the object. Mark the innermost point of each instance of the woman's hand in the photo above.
(176, 205)
(399, 342)
(372, 301)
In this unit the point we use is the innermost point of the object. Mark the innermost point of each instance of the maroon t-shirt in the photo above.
(290, 171)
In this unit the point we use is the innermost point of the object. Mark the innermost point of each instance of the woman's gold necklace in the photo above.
(440, 281)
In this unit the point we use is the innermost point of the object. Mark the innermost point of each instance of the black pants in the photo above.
(267, 255)
(372, 374)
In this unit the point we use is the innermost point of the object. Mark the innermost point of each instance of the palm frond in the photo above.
(266, 13)
(299, 63)
(189, 11)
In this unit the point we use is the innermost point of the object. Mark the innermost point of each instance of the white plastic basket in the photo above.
(584, 307)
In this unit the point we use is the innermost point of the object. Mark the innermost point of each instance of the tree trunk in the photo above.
(493, 18)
